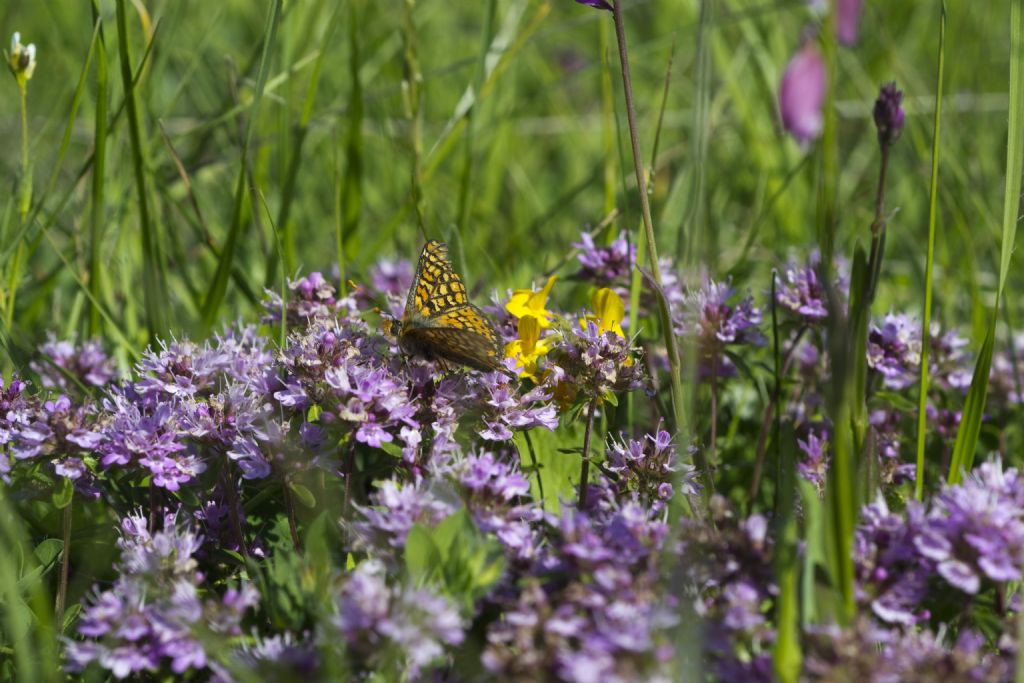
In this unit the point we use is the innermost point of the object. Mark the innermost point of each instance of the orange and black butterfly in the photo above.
(439, 323)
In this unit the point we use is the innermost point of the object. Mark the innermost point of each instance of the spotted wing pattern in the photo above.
(439, 321)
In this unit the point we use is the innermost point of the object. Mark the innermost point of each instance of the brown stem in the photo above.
(234, 513)
(536, 467)
(714, 410)
(65, 563)
(769, 413)
(674, 363)
(585, 465)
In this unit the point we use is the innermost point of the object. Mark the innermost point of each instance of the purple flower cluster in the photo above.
(591, 364)
(646, 468)
(87, 365)
(607, 266)
(395, 629)
(801, 293)
(495, 493)
(970, 535)
(711, 317)
(590, 609)
(394, 509)
(147, 622)
(894, 350)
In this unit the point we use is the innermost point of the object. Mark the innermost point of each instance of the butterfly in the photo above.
(439, 323)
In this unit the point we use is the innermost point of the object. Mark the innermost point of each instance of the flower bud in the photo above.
(888, 114)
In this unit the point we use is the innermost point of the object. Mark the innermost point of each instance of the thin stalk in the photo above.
(65, 564)
(97, 216)
(674, 364)
(926, 315)
(234, 508)
(24, 203)
(585, 465)
(536, 467)
(769, 413)
(412, 88)
(713, 439)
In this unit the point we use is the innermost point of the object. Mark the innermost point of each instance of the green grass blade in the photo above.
(97, 215)
(218, 287)
(153, 277)
(926, 316)
(974, 408)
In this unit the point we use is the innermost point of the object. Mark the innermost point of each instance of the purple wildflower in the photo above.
(87, 364)
(710, 316)
(492, 491)
(802, 294)
(814, 466)
(398, 629)
(605, 266)
(394, 509)
(145, 622)
(646, 468)
(848, 21)
(894, 350)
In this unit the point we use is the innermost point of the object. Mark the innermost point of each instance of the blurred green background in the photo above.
(522, 142)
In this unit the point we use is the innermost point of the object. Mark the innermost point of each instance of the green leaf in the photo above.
(422, 556)
(897, 401)
(48, 551)
(303, 494)
(313, 414)
(555, 470)
(970, 424)
(62, 496)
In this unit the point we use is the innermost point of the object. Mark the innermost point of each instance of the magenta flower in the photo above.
(847, 21)
(802, 94)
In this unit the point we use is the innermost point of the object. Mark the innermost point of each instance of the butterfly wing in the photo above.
(439, 321)
(457, 345)
(437, 288)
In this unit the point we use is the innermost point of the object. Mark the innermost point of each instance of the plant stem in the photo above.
(24, 203)
(536, 467)
(674, 364)
(585, 465)
(65, 557)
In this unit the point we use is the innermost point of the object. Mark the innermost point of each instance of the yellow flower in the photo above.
(526, 302)
(609, 311)
(21, 59)
(529, 347)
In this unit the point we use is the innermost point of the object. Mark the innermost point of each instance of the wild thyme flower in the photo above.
(390, 280)
(890, 574)
(802, 94)
(146, 621)
(505, 410)
(63, 433)
(16, 410)
(606, 266)
(149, 437)
(814, 466)
(712, 318)
(87, 363)
(590, 610)
(401, 629)
(646, 468)
(312, 297)
(492, 491)
(975, 529)
(894, 350)
(589, 364)
(866, 651)
(949, 363)
(800, 292)
(393, 509)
